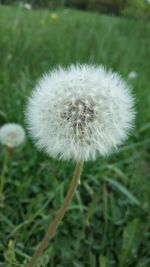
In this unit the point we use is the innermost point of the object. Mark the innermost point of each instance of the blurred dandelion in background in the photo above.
(26, 6)
(12, 135)
(9, 57)
(132, 75)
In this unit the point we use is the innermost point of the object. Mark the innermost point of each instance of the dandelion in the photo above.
(132, 75)
(76, 114)
(27, 6)
(12, 135)
(9, 57)
(83, 106)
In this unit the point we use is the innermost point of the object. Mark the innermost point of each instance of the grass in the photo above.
(108, 222)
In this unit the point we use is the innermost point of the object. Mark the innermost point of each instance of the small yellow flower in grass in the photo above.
(12, 135)
(10, 243)
(54, 16)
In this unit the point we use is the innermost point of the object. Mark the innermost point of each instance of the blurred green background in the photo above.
(108, 221)
(129, 8)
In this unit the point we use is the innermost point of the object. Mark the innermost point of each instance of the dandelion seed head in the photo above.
(79, 112)
(12, 135)
(26, 6)
(132, 75)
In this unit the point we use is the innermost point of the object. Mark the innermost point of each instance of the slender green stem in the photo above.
(59, 215)
(4, 169)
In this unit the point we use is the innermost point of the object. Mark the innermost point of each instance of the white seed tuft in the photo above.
(12, 134)
(79, 112)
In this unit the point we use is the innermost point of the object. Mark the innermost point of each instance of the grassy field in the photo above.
(108, 221)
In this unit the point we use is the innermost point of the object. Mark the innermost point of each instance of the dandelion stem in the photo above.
(59, 215)
(4, 169)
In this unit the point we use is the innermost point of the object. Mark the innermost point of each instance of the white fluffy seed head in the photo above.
(12, 134)
(79, 112)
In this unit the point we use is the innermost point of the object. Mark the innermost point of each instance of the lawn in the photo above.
(108, 221)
